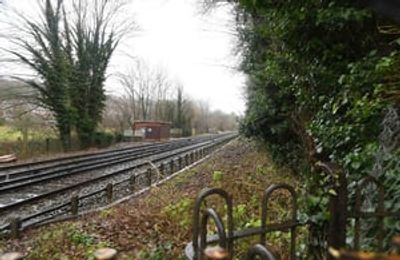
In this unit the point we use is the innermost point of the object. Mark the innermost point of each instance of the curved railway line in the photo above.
(43, 190)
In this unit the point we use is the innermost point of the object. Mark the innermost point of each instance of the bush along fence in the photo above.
(200, 246)
(136, 184)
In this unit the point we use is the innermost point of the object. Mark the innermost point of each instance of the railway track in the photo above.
(28, 177)
(14, 171)
(27, 189)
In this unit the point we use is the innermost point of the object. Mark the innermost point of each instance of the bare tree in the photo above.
(130, 96)
(204, 107)
(149, 94)
(146, 91)
(163, 88)
(117, 114)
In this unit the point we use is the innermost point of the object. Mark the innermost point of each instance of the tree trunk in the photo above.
(65, 137)
(64, 129)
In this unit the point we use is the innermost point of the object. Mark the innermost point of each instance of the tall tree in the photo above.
(70, 49)
(183, 113)
(46, 56)
(90, 43)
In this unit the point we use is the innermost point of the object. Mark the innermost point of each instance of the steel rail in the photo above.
(72, 157)
(111, 174)
(88, 157)
(80, 158)
(74, 168)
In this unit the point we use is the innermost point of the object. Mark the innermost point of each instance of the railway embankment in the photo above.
(157, 224)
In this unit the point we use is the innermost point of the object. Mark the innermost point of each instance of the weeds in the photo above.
(64, 241)
(158, 225)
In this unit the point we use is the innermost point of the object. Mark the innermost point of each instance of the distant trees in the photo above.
(184, 114)
(149, 94)
(70, 49)
(146, 91)
(202, 116)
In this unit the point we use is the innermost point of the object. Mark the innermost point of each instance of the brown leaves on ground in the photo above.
(157, 225)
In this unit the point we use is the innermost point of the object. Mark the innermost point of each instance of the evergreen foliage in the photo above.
(321, 75)
(71, 54)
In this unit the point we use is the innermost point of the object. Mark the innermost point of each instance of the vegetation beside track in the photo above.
(323, 87)
(158, 224)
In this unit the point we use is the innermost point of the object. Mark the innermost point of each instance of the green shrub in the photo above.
(320, 76)
(103, 139)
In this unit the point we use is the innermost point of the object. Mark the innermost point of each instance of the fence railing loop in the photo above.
(338, 201)
(197, 225)
(221, 232)
(293, 219)
(226, 237)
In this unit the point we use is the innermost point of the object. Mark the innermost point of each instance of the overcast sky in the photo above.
(193, 48)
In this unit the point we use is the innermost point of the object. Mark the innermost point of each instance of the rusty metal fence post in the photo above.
(337, 205)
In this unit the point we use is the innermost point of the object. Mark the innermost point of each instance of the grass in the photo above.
(158, 224)
(8, 134)
(11, 141)
(72, 243)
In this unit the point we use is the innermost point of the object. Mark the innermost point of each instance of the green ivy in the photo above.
(320, 77)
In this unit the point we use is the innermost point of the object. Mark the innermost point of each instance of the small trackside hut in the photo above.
(151, 130)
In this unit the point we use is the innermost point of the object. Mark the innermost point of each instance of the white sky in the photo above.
(193, 48)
